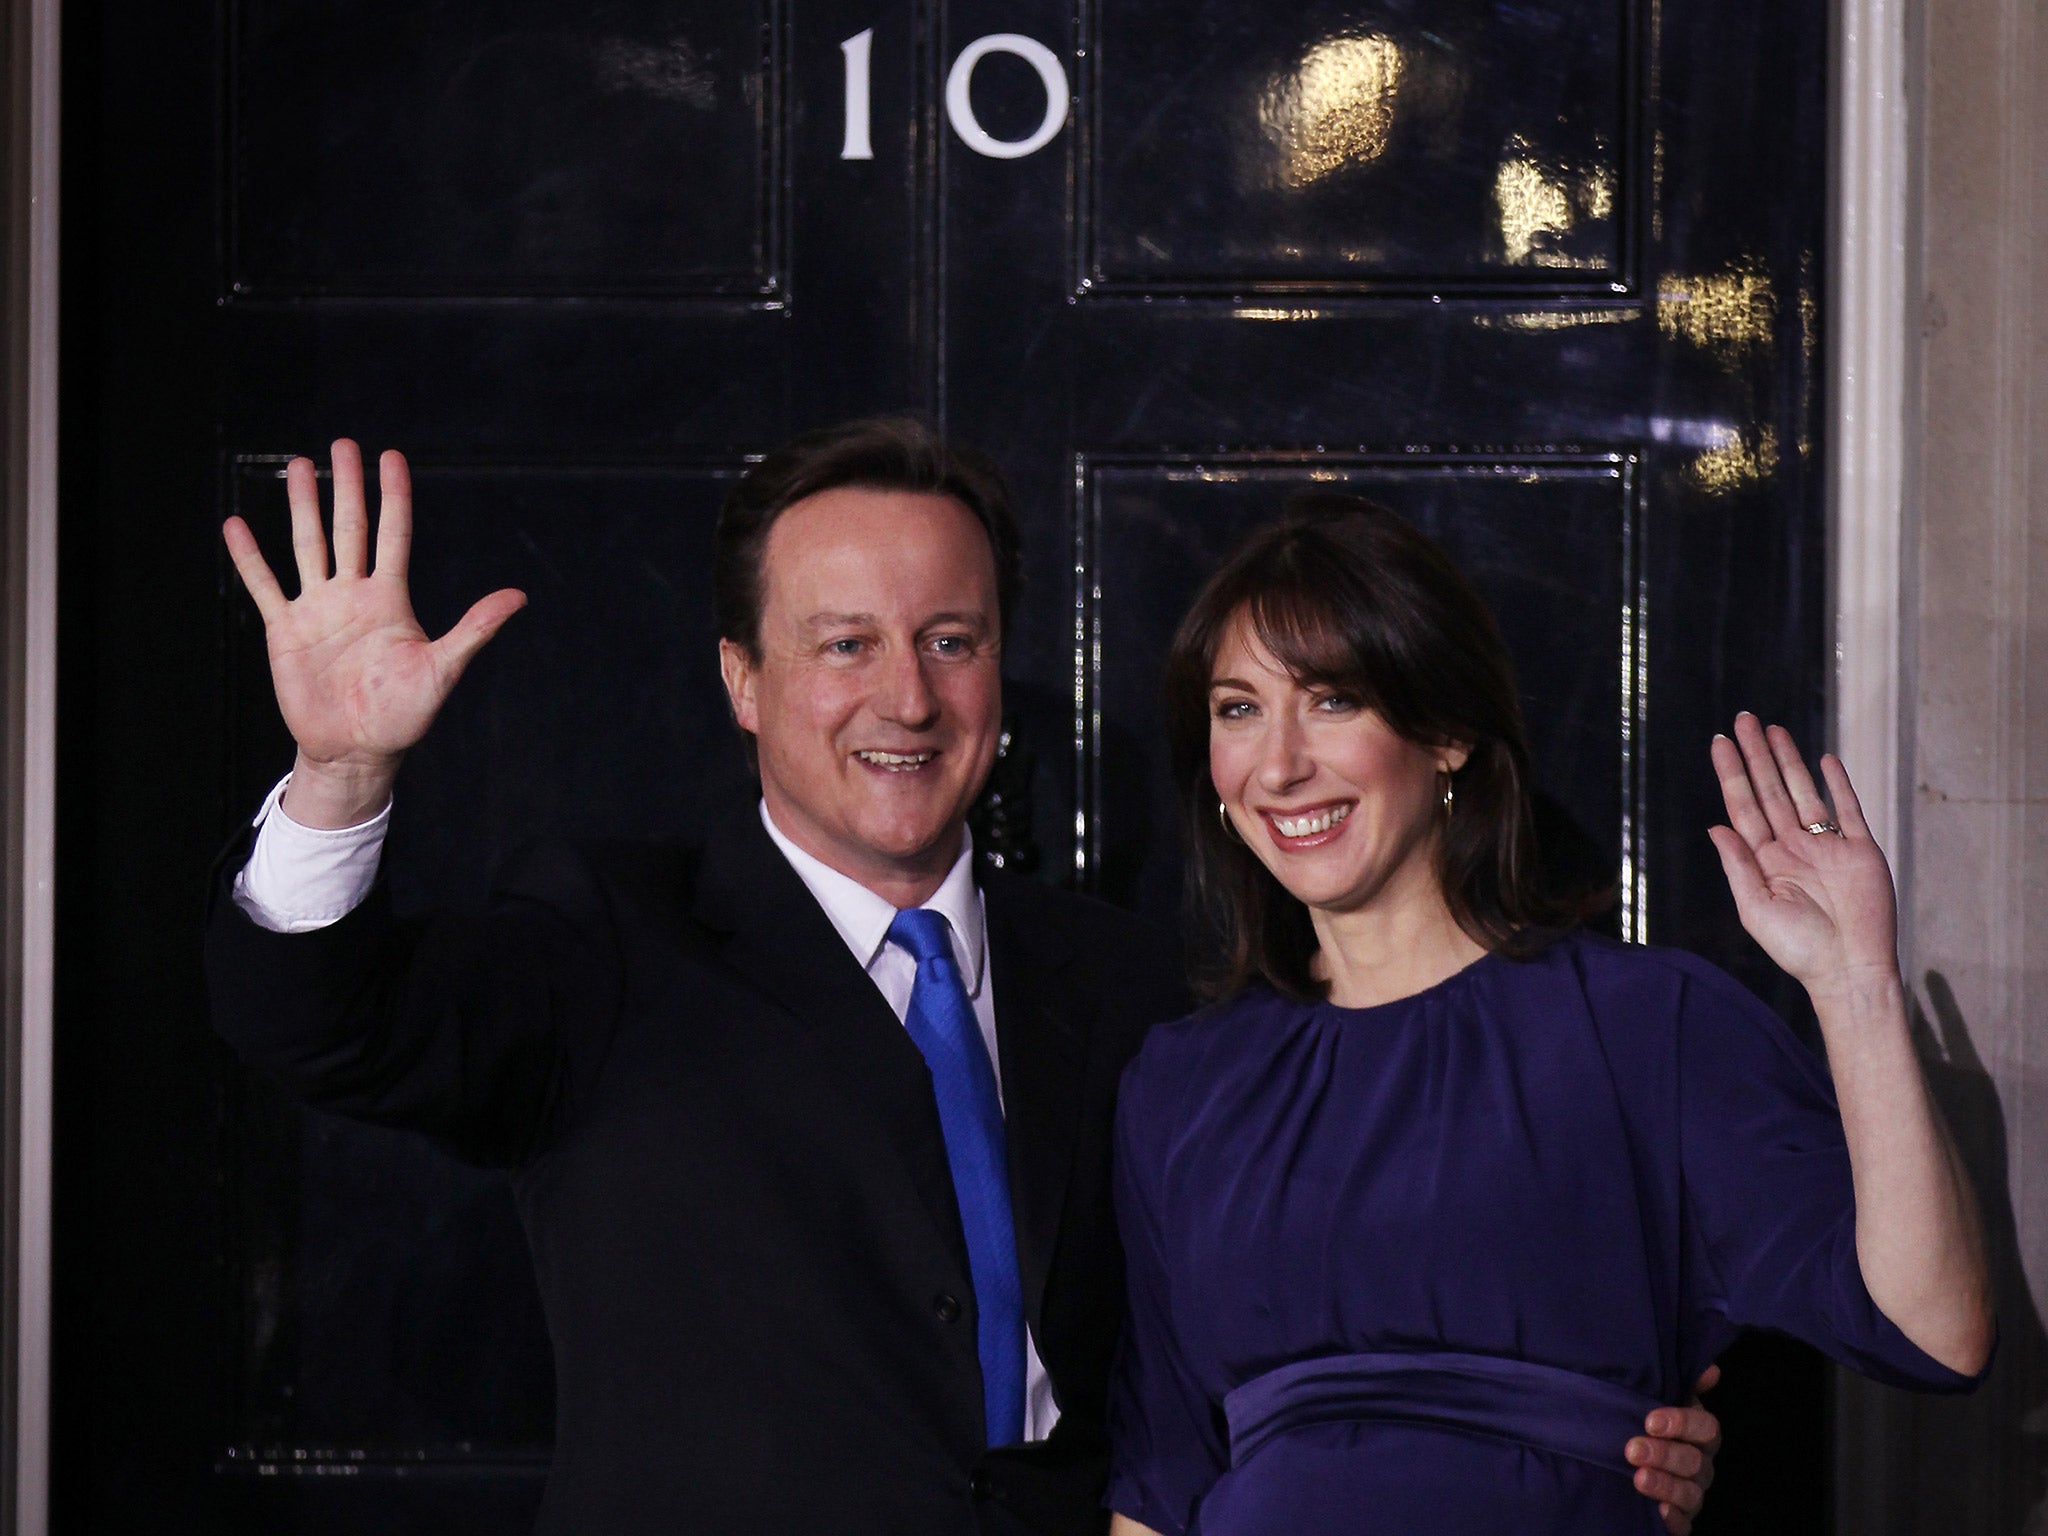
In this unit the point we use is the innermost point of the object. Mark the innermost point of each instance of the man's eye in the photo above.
(951, 645)
(846, 646)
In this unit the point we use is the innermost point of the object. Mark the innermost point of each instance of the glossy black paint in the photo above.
(1340, 148)
(1542, 275)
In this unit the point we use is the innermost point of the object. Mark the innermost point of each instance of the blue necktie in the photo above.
(941, 1021)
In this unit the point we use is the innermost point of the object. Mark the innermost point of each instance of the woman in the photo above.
(1441, 1195)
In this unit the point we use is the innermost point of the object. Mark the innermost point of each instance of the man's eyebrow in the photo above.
(856, 620)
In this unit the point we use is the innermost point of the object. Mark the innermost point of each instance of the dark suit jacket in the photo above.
(728, 1160)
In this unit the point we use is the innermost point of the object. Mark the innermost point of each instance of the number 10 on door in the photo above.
(858, 143)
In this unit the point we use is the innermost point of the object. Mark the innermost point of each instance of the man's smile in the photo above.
(895, 762)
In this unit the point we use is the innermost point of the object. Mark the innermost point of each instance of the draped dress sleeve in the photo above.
(1769, 1216)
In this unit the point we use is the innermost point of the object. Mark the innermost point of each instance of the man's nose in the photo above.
(907, 696)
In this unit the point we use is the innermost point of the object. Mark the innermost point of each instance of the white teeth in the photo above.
(895, 762)
(1309, 826)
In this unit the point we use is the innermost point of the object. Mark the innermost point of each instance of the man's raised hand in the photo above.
(357, 679)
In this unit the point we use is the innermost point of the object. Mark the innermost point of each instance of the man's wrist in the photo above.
(328, 797)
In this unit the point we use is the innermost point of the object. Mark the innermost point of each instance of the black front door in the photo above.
(1541, 276)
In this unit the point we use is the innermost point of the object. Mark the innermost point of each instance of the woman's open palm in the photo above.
(357, 679)
(1820, 903)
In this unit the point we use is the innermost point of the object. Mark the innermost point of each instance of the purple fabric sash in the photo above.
(1535, 1405)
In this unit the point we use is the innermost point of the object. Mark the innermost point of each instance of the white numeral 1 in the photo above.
(857, 49)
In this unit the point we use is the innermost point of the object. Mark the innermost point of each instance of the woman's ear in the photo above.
(1452, 756)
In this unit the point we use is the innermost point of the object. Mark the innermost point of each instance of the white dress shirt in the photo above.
(300, 878)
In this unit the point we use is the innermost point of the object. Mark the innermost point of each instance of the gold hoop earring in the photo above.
(1229, 827)
(1449, 798)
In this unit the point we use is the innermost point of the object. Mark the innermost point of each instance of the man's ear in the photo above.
(737, 668)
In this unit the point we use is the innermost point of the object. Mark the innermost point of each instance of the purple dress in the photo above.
(1423, 1267)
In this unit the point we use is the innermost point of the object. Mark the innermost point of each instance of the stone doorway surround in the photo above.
(1942, 571)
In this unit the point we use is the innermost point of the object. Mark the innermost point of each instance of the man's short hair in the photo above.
(883, 453)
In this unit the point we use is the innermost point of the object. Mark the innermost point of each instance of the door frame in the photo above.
(1871, 432)
(1870, 447)
(28, 737)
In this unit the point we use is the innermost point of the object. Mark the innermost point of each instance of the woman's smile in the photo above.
(1297, 829)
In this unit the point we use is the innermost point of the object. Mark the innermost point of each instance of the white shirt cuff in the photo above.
(301, 878)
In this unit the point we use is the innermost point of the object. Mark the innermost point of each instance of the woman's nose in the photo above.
(1283, 757)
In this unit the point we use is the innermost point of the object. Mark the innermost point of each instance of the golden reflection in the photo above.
(1539, 203)
(1596, 191)
(1337, 107)
(1555, 319)
(1731, 314)
(1657, 138)
(1532, 205)
(1809, 348)
(1657, 186)
(1744, 459)
(1265, 312)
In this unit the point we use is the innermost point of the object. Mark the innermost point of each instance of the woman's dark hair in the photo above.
(1344, 594)
(884, 453)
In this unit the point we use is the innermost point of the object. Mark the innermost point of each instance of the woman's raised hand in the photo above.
(1820, 903)
(357, 679)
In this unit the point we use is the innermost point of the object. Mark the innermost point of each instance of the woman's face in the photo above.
(1338, 806)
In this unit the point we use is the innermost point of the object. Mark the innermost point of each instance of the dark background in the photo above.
(1541, 276)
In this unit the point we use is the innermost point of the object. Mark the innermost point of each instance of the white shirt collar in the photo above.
(863, 918)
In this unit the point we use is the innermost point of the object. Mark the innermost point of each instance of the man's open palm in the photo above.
(357, 679)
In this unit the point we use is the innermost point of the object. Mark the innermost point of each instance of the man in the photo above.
(809, 1128)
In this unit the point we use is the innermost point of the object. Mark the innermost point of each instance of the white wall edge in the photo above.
(1867, 329)
(37, 765)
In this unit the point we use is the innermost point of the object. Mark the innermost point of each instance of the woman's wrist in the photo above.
(1876, 977)
(1857, 994)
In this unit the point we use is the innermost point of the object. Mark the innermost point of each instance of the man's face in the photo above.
(876, 700)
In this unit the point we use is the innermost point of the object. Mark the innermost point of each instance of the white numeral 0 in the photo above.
(859, 49)
(960, 109)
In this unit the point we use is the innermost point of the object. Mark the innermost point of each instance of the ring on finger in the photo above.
(1822, 828)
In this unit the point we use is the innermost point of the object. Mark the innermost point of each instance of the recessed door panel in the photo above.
(384, 1312)
(1332, 148)
(1549, 544)
(486, 149)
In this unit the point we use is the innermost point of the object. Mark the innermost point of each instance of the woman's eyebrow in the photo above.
(1230, 682)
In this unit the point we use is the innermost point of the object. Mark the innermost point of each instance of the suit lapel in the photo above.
(779, 939)
(1041, 1039)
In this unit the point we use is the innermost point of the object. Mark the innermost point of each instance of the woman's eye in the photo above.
(1233, 709)
(1337, 703)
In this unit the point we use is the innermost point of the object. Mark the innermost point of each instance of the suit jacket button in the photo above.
(945, 1307)
(980, 1484)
